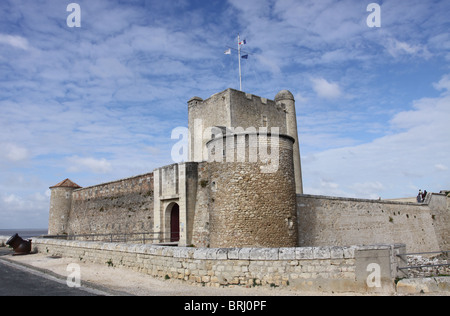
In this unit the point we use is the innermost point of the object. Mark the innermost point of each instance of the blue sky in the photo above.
(99, 102)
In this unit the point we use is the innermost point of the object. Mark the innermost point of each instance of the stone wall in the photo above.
(250, 207)
(116, 207)
(231, 109)
(325, 269)
(203, 207)
(60, 206)
(249, 110)
(344, 221)
(439, 205)
(435, 265)
(175, 185)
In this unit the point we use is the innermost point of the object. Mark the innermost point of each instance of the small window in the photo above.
(264, 121)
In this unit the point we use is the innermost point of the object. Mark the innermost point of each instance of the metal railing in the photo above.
(139, 238)
(422, 267)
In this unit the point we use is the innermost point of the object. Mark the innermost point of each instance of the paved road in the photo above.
(16, 280)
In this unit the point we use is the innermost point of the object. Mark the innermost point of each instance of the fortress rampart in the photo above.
(246, 195)
(116, 207)
(344, 221)
(127, 206)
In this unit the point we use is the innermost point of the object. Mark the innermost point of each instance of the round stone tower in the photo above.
(60, 205)
(253, 200)
(286, 98)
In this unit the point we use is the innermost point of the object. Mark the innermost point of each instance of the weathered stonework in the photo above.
(250, 208)
(218, 200)
(324, 269)
(204, 203)
(60, 207)
(116, 207)
(344, 221)
(232, 109)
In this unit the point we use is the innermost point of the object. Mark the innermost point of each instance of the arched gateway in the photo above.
(175, 223)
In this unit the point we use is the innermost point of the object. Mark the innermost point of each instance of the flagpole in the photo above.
(239, 56)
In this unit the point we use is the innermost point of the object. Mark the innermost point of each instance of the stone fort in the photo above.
(241, 186)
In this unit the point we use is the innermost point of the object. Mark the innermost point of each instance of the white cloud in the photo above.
(428, 118)
(325, 89)
(11, 199)
(79, 164)
(300, 98)
(24, 210)
(368, 189)
(397, 48)
(414, 148)
(440, 167)
(110, 67)
(14, 153)
(443, 84)
(14, 41)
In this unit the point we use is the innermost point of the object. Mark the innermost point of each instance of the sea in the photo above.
(24, 233)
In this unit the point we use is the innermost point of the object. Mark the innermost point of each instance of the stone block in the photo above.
(349, 252)
(272, 254)
(167, 252)
(373, 269)
(244, 253)
(211, 254)
(286, 254)
(151, 250)
(437, 285)
(321, 253)
(141, 249)
(336, 253)
(305, 253)
(181, 252)
(258, 254)
(233, 253)
(222, 254)
(200, 253)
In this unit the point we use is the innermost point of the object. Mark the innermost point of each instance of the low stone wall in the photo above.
(325, 269)
(435, 285)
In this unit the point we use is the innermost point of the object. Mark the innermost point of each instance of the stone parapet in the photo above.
(325, 269)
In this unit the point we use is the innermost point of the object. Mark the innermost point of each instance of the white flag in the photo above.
(228, 52)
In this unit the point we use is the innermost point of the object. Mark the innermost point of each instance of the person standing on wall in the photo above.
(424, 195)
(419, 197)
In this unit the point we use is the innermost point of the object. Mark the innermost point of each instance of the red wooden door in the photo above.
(175, 223)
